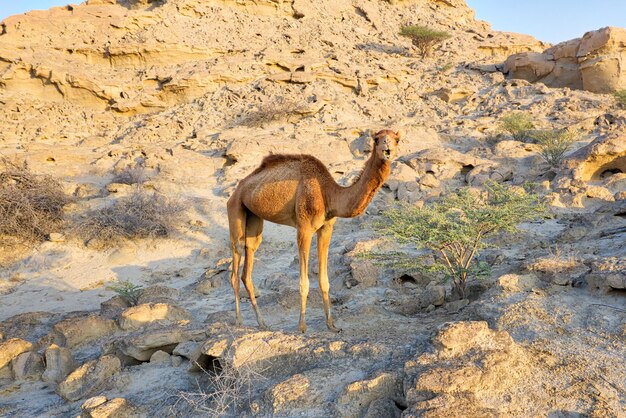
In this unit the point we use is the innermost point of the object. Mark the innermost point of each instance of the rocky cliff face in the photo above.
(594, 62)
(184, 97)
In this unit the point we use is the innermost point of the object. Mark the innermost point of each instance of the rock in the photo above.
(383, 407)
(429, 180)
(93, 402)
(161, 313)
(89, 378)
(442, 164)
(112, 308)
(288, 393)
(158, 294)
(518, 283)
(592, 63)
(599, 162)
(212, 279)
(456, 306)
(119, 188)
(484, 173)
(432, 295)
(100, 407)
(56, 237)
(357, 396)
(28, 365)
(59, 363)
(177, 361)
(364, 272)
(471, 369)
(11, 349)
(598, 192)
(557, 269)
(453, 95)
(258, 348)
(160, 357)
(607, 274)
(192, 351)
(143, 344)
(78, 330)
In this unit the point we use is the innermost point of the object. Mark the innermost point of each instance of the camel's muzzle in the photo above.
(387, 153)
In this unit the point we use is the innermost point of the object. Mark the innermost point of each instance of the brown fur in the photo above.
(297, 190)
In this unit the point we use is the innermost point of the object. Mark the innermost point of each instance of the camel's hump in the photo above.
(273, 160)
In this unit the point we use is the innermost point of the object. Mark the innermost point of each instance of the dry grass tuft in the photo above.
(271, 111)
(556, 261)
(31, 205)
(230, 391)
(141, 214)
(131, 175)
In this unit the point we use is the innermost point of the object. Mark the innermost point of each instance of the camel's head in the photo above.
(386, 144)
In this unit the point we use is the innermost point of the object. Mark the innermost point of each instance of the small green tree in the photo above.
(518, 124)
(620, 96)
(423, 37)
(554, 143)
(455, 228)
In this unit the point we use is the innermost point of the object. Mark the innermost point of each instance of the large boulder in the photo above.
(472, 369)
(75, 331)
(28, 365)
(89, 378)
(141, 345)
(595, 62)
(100, 407)
(59, 363)
(149, 313)
(11, 349)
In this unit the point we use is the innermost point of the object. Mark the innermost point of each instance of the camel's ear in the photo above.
(375, 136)
(399, 134)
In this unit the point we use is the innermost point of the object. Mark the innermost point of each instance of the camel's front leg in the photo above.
(304, 246)
(323, 242)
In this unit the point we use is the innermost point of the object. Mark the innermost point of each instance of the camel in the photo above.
(298, 190)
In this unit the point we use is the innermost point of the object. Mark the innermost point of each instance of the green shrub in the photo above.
(518, 124)
(455, 228)
(128, 291)
(423, 37)
(554, 143)
(620, 96)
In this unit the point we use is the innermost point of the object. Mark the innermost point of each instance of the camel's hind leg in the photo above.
(304, 246)
(254, 230)
(237, 229)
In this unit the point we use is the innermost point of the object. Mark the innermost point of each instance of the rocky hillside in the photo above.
(184, 98)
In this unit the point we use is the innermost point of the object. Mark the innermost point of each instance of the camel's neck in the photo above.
(352, 201)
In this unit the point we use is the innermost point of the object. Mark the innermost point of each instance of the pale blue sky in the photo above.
(551, 20)
(548, 20)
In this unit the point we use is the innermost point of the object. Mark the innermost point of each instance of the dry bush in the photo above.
(141, 214)
(31, 205)
(556, 261)
(131, 175)
(271, 111)
(229, 393)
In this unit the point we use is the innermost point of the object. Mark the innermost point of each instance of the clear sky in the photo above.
(13, 7)
(551, 20)
(548, 20)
